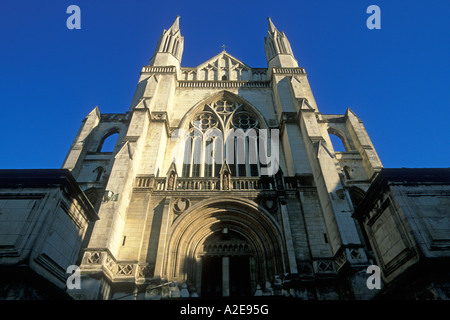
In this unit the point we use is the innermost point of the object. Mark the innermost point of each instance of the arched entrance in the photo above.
(224, 248)
(227, 265)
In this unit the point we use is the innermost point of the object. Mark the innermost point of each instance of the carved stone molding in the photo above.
(102, 260)
(269, 203)
(158, 116)
(324, 266)
(180, 205)
(288, 71)
(162, 69)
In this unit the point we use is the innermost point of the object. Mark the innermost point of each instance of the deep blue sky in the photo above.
(395, 79)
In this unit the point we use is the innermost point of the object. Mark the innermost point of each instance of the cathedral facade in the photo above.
(223, 182)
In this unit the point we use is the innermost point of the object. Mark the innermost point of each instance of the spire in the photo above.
(277, 46)
(175, 26)
(272, 27)
(170, 45)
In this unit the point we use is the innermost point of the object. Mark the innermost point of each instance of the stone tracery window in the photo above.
(244, 120)
(224, 107)
(223, 129)
(204, 121)
(246, 161)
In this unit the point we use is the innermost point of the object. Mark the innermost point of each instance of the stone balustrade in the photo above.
(209, 183)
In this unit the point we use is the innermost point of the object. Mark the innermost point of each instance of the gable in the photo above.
(224, 60)
(224, 67)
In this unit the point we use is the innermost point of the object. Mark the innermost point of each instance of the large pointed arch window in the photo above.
(223, 130)
(245, 132)
(199, 151)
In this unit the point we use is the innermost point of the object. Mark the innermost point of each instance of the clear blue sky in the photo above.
(395, 79)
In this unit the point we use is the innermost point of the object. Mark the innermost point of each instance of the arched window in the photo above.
(108, 143)
(245, 160)
(98, 173)
(202, 147)
(222, 130)
(348, 172)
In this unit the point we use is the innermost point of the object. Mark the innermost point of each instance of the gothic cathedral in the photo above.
(223, 182)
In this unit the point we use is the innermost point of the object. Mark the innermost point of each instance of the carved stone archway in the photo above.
(194, 234)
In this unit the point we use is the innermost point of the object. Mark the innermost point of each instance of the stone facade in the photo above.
(44, 217)
(405, 214)
(223, 181)
(174, 224)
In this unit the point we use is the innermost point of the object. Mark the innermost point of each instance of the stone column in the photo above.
(165, 223)
(288, 237)
(225, 276)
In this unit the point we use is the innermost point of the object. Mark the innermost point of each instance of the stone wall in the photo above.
(405, 216)
(44, 218)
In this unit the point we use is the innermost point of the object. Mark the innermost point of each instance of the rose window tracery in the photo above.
(244, 120)
(224, 107)
(205, 121)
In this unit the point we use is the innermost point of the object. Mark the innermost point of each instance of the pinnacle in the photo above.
(272, 27)
(176, 25)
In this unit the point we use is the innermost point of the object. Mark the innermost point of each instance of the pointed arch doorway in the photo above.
(227, 265)
(224, 247)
